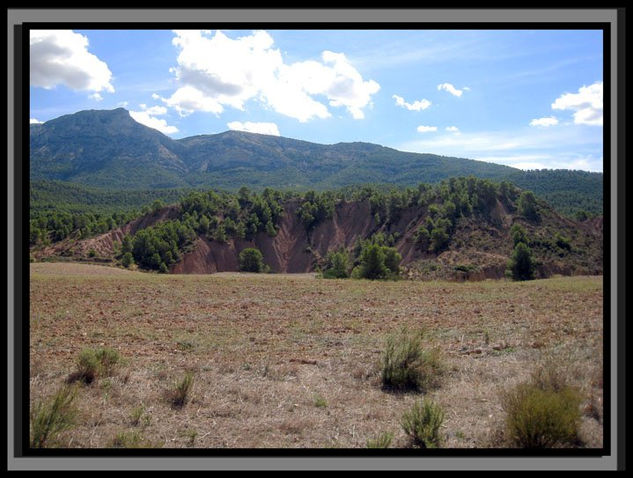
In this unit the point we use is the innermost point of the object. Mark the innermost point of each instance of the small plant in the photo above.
(422, 423)
(130, 439)
(53, 416)
(382, 441)
(407, 366)
(320, 402)
(181, 393)
(137, 418)
(543, 412)
(93, 363)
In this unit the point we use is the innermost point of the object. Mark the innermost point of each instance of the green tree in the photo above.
(518, 234)
(251, 260)
(336, 266)
(526, 206)
(521, 265)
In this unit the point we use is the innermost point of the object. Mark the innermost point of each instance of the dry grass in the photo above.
(290, 361)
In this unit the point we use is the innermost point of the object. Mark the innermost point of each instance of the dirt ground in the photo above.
(293, 361)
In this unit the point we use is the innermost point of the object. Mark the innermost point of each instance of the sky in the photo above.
(530, 99)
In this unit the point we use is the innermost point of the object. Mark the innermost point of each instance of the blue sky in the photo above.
(530, 99)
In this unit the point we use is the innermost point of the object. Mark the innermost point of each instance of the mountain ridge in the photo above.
(109, 149)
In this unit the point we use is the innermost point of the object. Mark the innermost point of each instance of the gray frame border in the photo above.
(344, 16)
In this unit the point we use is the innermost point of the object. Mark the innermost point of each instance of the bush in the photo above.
(407, 366)
(378, 262)
(336, 265)
(541, 418)
(93, 363)
(51, 417)
(127, 260)
(422, 423)
(251, 260)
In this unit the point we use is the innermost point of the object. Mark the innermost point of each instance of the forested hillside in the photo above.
(462, 226)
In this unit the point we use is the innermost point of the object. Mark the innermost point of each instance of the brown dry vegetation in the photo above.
(292, 361)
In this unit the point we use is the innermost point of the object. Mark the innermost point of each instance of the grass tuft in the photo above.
(381, 441)
(422, 423)
(50, 418)
(406, 365)
(94, 363)
(180, 395)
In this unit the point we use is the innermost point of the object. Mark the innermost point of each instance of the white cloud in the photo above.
(61, 57)
(261, 128)
(35, 121)
(415, 106)
(96, 97)
(450, 88)
(544, 122)
(215, 71)
(452, 129)
(426, 129)
(525, 147)
(586, 104)
(148, 117)
(122, 104)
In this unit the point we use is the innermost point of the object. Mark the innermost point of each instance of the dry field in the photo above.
(292, 361)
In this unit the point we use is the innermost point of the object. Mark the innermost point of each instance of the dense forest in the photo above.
(221, 216)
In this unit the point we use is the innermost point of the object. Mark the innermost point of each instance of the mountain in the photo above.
(105, 148)
(108, 149)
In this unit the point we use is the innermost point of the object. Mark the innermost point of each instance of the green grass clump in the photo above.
(130, 439)
(543, 412)
(406, 365)
(422, 423)
(382, 441)
(94, 363)
(180, 395)
(51, 417)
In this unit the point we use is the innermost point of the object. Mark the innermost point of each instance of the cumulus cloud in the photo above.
(452, 129)
(35, 121)
(451, 89)
(214, 71)
(261, 128)
(147, 116)
(96, 97)
(544, 122)
(586, 104)
(61, 57)
(426, 129)
(415, 106)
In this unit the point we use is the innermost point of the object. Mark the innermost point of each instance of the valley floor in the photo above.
(292, 361)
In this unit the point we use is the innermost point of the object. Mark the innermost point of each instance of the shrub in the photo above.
(422, 423)
(251, 260)
(541, 418)
(52, 417)
(180, 394)
(336, 265)
(378, 262)
(93, 363)
(127, 260)
(407, 366)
